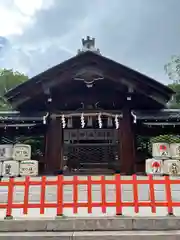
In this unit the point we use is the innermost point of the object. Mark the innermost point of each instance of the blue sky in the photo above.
(142, 34)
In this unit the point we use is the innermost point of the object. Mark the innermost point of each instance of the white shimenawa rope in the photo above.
(134, 116)
(116, 122)
(63, 121)
(82, 120)
(99, 120)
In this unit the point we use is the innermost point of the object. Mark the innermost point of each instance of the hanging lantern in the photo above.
(99, 120)
(89, 121)
(109, 122)
(63, 121)
(116, 122)
(69, 123)
(82, 120)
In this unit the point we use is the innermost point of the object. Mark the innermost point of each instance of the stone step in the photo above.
(103, 235)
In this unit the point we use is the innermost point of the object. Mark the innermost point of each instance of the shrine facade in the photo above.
(89, 111)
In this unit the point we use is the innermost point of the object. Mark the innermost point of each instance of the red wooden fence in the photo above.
(61, 204)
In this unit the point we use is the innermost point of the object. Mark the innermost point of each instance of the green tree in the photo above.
(175, 102)
(172, 69)
(8, 80)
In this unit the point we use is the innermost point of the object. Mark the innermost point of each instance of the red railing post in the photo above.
(75, 194)
(10, 199)
(43, 194)
(152, 194)
(118, 195)
(61, 203)
(59, 195)
(168, 195)
(103, 194)
(26, 195)
(135, 193)
(89, 194)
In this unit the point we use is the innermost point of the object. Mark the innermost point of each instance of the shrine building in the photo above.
(89, 111)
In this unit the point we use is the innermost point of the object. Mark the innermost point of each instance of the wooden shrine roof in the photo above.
(65, 71)
(160, 115)
(16, 118)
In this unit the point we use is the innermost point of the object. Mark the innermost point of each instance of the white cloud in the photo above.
(28, 7)
(11, 20)
(17, 14)
(142, 34)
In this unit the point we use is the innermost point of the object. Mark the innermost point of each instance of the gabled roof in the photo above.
(84, 59)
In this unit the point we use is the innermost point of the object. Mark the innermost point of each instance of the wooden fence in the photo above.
(61, 204)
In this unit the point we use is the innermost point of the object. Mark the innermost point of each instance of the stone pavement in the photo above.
(125, 235)
(111, 228)
(127, 195)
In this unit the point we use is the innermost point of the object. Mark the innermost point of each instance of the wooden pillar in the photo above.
(54, 147)
(126, 143)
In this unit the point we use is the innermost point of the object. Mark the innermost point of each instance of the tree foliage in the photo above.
(175, 102)
(172, 69)
(8, 80)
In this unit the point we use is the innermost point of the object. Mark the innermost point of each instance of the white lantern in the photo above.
(172, 167)
(175, 150)
(29, 168)
(160, 150)
(10, 168)
(154, 166)
(6, 152)
(21, 152)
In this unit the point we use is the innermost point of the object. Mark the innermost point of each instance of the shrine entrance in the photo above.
(87, 149)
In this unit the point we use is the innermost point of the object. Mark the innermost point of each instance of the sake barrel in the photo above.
(160, 150)
(175, 150)
(154, 166)
(172, 167)
(10, 168)
(6, 152)
(21, 152)
(29, 168)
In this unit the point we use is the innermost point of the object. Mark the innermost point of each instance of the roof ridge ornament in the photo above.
(88, 44)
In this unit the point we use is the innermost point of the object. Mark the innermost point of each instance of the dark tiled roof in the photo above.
(8, 116)
(163, 115)
(68, 64)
